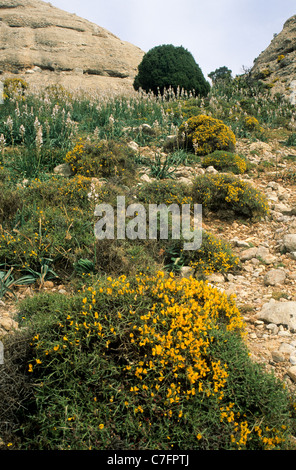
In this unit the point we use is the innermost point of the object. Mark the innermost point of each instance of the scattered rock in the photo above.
(64, 169)
(147, 129)
(274, 277)
(171, 142)
(292, 359)
(264, 255)
(282, 208)
(48, 284)
(289, 242)
(145, 178)
(8, 324)
(260, 147)
(273, 328)
(286, 348)
(215, 277)
(134, 146)
(240, 243)
(277, 356)
(186, 271)
(248, 254)
(292, 373)
(211, 170)
(279, 313)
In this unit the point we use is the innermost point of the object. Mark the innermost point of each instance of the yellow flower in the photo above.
(101, 426)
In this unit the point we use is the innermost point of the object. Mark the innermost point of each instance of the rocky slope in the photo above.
(276, 65)
(265, 288)
(47, 45)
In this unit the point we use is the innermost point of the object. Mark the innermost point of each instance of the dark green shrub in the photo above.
(291, 141)
(222, 73)
(164, 192)
(167, 66)
(10, 203)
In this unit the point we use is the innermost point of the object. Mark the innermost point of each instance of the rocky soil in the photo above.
(265, 288)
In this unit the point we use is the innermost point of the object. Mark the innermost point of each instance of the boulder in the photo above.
(279, 313)
(211, 170)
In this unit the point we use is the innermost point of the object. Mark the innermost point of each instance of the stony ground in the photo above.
(268, 275)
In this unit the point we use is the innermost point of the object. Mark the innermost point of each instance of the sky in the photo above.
(218, 33)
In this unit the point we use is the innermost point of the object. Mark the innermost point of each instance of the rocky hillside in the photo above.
(276, 66)
(49, 45)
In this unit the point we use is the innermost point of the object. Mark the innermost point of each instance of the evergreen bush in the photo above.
(167, 66)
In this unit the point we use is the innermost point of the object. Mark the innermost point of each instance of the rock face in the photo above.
(276, 66)
(44, 42)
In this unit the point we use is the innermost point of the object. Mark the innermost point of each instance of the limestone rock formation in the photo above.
(276, 65)
(49, 45)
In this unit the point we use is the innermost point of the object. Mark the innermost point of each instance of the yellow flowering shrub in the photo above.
(280, 57)
(14, 88)
(102, 159)
(263, 73)
(140, 363)
(205, 134)
(225, 161)
(228, 192)
(214, 255)
(161, 330)
(56, 222)
(241, 432)
(252, 124)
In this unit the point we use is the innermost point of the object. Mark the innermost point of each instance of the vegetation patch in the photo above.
(215, 255)
(132, 355)
(205, 134)
(226, 161)
(106, 158)
(222, 192)
(150, 362)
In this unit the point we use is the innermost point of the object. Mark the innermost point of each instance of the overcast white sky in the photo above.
(216, 32)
